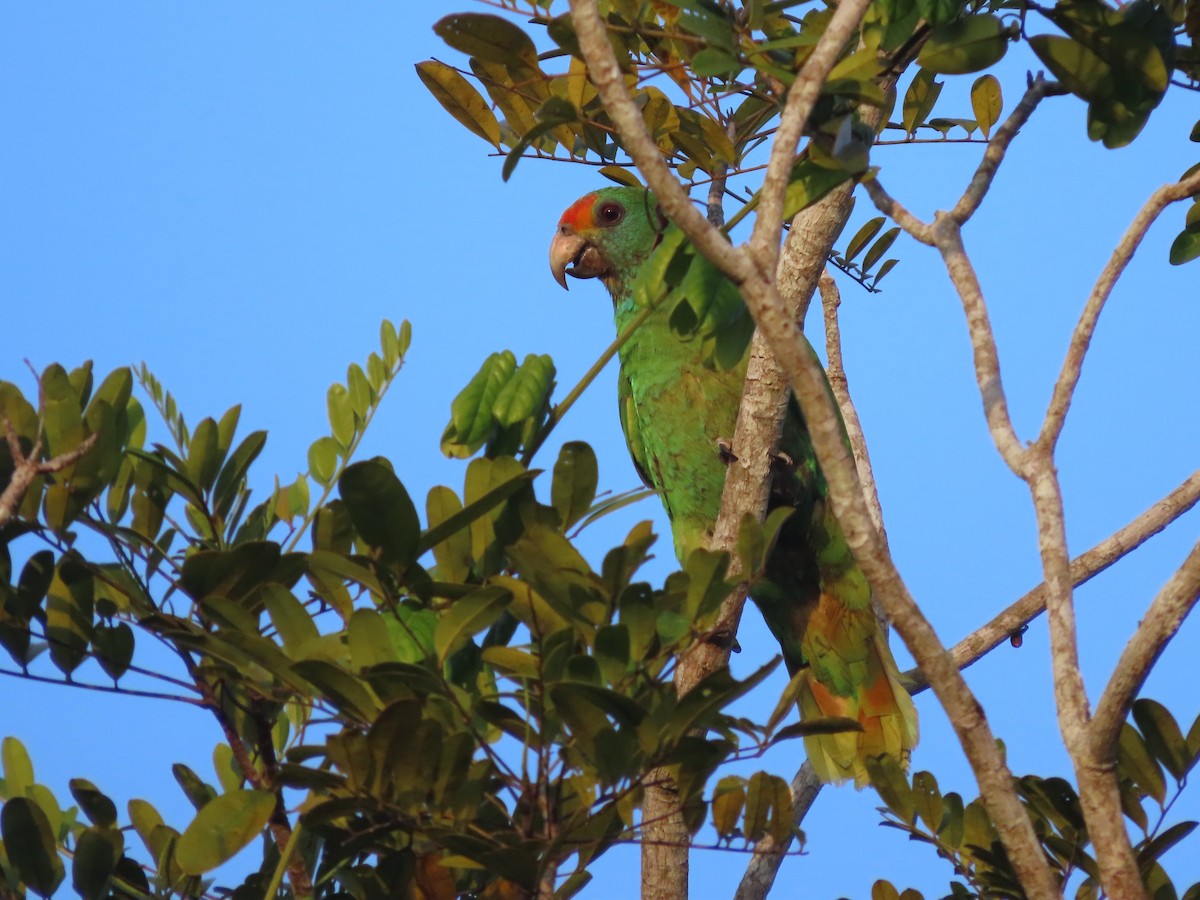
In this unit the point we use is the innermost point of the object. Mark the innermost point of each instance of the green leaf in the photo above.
(29, 845)
(341, 414)
(292, 621)
(381, 509)
(967, 45)
(879, 248)
(620, 175)
(862, 237)
(223, 827)
(368, 639)
(63, 413)
(145, 819)
(69, 609)
(349, 693)
(487, 37)
(527, 392)
(1185, 247)
(728, 800)
(713, 62)
(323, 458)
(809, 183)
(1163, 737)
(112, 646)
(471, 416)
(231, 574)
(461, 100)
(446, 528)
(889, 782)
(1165, 841)
(467, 617)
(18, 768)
(453, 553)
(100, 810)
(1135, 762)
(196, 789)
(888, 265)
(96, 854)
(920, 98)
(36, 577)
(1080, 70)
(204, 455)
(573, 489)
(986, 101)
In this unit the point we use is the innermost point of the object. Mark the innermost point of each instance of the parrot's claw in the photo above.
(782, 461)
(725, 451)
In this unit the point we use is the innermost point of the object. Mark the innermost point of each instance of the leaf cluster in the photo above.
(1152, 749)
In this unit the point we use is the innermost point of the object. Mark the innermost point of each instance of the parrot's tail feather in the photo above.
(880, 704)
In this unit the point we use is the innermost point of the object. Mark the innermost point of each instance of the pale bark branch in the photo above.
(997, 147)
(831, 299)
(27, 468)
(802, 96)
(1084, 567)
(1064, 388)
(1159, 625)
(1098, 788)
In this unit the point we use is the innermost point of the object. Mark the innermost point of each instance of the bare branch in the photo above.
(831, 299)
(983, 342)
(894, 210)
(1081, 339)
(27, 468)
(768, 224)
(1083, 568)
(1159, 625)
(997, 147)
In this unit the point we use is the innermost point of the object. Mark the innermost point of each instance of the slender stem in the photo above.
(1081, 339)
(563, 406)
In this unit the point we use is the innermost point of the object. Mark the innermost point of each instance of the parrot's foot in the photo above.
(781, 462)
(725, 451)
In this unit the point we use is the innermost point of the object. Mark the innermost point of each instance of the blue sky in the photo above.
(237, 194)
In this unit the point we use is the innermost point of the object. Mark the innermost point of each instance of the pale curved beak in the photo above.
(565, 250)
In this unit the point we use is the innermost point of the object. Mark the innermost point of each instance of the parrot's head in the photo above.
(606, 234)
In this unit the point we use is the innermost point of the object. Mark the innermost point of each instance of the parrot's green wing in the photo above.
(633, 433)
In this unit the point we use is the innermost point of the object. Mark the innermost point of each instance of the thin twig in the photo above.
(831, 299)
(1081, 339)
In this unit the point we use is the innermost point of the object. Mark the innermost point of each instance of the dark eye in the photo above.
(610, 213)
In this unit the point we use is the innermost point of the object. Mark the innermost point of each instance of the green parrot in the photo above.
(678, 409)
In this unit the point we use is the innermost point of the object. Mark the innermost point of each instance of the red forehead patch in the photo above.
(579, 214)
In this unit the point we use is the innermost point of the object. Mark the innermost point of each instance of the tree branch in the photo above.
(768, 224)
(1159, 625)
(1064, 388)
(1084, 567)
(27, 468)
(1039, 88)
(831, 299)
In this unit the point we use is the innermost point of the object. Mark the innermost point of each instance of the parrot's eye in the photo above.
(610, 213)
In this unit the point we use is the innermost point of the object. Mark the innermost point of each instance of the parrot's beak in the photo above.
(571, 254)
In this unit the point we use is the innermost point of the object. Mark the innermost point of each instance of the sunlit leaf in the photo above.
(223, 827)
